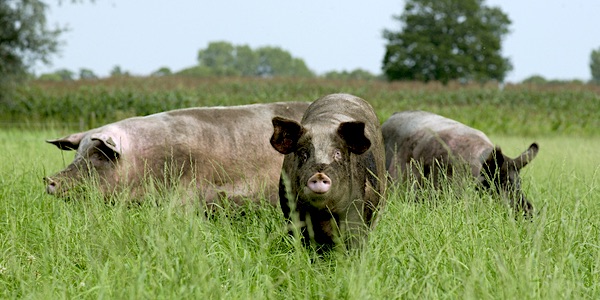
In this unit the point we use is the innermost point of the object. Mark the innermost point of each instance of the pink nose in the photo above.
(319, 183)
(52, 185)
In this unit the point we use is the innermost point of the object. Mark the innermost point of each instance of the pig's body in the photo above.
(421, 144)
(210, 152)
(336, 169)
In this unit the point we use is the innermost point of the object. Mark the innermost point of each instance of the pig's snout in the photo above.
(51, 185)
(319, 183)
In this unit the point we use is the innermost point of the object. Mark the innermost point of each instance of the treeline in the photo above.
(523, 109)
(223, 59)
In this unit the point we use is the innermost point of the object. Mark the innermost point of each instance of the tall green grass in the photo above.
(460, 245)
(514, 110)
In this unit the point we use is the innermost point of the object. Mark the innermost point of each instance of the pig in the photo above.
(421, 144)
(211, 153)
(332, 180)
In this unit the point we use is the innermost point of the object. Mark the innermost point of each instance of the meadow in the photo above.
(460, 244)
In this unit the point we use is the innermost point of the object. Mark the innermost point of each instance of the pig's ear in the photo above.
(353, 133)
(286, 134)
(526, 156)
(110, 142)
(70, 142)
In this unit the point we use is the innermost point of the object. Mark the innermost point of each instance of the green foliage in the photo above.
(50, 77)
(276, 62)
(58, 75)
(225, 59)
(535, 79)
(24, 40)
(163, 71)
(118, 72)
(220, 59)
(458, 245)
(517, 109)
(595, 65)
(196, 71)
(539, 80)
(447, 40)
(356, 74)
(87, 74)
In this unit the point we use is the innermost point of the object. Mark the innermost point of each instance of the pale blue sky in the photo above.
(552, 38)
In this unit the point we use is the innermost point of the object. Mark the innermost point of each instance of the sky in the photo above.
(550, 38)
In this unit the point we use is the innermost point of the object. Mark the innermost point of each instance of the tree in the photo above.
(276, 62)
(357, 74)
(162, 71)
(24, 40)
(58, 75)
(219, 57)
(447, 40)
(195, 71)
(87, 74)
(118, 72)
(246, 61)
(535, 79)
(224, 59)
(595, 65)
(65, 74)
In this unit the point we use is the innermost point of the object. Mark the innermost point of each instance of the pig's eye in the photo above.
(337, 154)
(99, 156)
(303, 155)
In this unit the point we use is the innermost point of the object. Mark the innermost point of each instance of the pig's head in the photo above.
(502, 174)
(320, 156)
(97, 155)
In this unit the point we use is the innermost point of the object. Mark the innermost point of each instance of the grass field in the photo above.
(461, 245)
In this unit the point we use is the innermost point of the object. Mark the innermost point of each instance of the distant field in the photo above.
(460, 245)
(515, 110)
